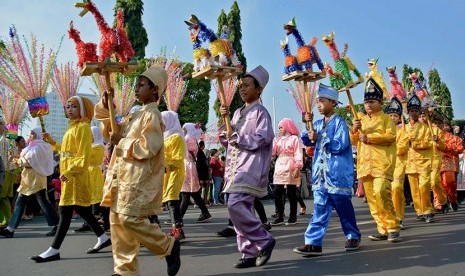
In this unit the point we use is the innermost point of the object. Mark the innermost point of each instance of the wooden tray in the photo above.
(125, 68)
(213, 72)
(304, 76)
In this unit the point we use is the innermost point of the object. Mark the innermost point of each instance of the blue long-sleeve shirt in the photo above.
(333, 163)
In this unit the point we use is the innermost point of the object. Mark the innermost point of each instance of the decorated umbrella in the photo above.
(124, 92)
(28, 74)
(14, 110)
(176, 85)
(65, 81)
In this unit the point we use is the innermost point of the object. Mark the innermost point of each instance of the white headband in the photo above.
(81, 105)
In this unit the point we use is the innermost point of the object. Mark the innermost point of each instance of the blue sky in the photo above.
(419, 33)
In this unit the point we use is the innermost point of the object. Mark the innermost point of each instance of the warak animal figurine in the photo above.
(220, 49)
(342, 63)
(113, 40)
(377, 76)
(307, 55)
(290, 61)
(397, 90)
(419, 88)
(335, 78)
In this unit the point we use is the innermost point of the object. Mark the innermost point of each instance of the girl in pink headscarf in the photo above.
(288, 150)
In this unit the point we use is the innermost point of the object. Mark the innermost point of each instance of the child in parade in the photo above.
(74, 175)
(332, 175)
(6, 193)
(175, 150)
(249, 148)
(96, 179)
(134, 184)
(37, 163)
(376, 156)
(394, 110)
(440, 196)
(419, 162)
(191, 185)
(288, 150)
(450, 164)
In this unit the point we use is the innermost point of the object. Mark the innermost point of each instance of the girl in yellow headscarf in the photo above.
(74, 174)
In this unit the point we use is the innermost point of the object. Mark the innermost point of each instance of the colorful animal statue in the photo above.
(335, 78)
(307, 55)
(342, 63)
(202, 57)
(290, 61)
(377, 76)
(397, 90)
(113, 40)
(419, 88)
(87, 52)
(221, 49)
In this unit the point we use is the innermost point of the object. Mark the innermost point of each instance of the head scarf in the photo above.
(97, 135)
(172, 125)
(289, 126)
(86, 107)
(39, 154)
(193, 131)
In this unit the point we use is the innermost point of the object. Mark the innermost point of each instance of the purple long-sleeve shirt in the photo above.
(249, 151)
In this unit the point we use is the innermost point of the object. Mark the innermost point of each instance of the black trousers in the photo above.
(66, 213)
(185, 198)
(174, 208)
(279, 193)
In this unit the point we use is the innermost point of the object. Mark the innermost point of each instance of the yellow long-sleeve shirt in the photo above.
(402, 143)
(438, 147)
(96, 174)
(377, 157)
(74, 164)
(134, 181)
(175, 150)
(421, 148)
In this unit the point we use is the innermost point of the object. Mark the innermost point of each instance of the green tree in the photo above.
(440, 93)
(133, 10)
(195, 103)
(346, 113)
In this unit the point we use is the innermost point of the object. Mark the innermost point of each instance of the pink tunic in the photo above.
(191, 180)
(288, 149)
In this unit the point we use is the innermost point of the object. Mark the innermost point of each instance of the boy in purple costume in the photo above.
(248, 160)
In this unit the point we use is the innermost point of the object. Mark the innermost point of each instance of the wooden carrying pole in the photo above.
(111, 108)
(308, 108)
(226, 119)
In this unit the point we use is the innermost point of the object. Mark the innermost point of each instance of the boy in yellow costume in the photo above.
(394, 111)
(419, 159)
(377, 155)
(440, 197)
(134, 182)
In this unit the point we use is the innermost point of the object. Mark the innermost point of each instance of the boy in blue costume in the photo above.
(332, 175)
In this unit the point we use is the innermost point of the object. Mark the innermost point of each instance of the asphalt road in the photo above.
(427, 249)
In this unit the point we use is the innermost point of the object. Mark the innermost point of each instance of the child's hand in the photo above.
(115, 138)
(308, 117)
(105, 97)
(63, 178)
(357, 125)
(363, 138)
(435, 138)
(224, 111)
(312, 135)
(48, 138)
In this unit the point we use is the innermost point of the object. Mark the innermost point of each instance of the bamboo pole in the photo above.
(227, 122)
(111, 108)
